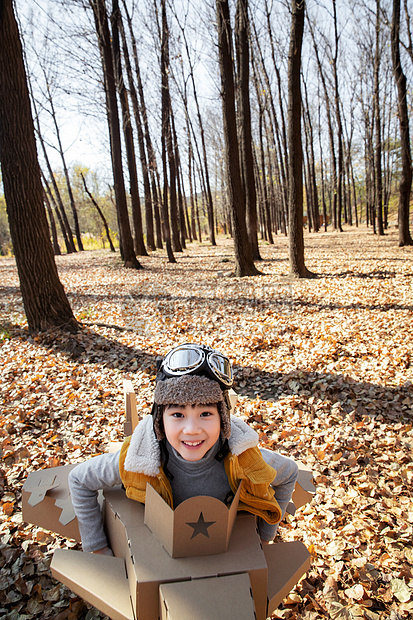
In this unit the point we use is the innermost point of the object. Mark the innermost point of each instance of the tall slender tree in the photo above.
(406, 172)
(166, 130)
(377, 127)
(244, 264)
(104, 41)
(44, 299)
(295, 149)
(244, 122)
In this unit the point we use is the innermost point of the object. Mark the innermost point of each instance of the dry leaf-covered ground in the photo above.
(324, 372)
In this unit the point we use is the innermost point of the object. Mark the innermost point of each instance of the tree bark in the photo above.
(99, 210)
(166, 131)
(210, 204)
(67, 232)
(104, 40)
(53, 202)
(406, 172)
(377, 128)
(140, 248)
(65, 170)
(295, 149)
(153, 168)
(56, 247)
(244, 264)
(330, 131)
(150, 239)
(45, 302)
(339, 124)
(244, 123)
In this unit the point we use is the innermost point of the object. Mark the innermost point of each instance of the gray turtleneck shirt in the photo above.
(204, 477)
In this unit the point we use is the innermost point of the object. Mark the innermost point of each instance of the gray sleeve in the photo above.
(283, 485)
(85, 480)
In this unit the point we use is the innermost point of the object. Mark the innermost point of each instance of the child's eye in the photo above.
(177, 414)
(206, 414)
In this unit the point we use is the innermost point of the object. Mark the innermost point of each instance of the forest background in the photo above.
(323, 367)
(351, 135)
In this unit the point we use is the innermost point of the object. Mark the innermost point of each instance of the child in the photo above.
(189, 446)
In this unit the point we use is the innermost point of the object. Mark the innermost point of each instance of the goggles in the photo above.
(195, 359)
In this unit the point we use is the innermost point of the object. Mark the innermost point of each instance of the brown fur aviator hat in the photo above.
(190, 390)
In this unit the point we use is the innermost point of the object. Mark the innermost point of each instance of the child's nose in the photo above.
(192, 427)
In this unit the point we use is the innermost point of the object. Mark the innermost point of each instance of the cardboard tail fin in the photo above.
(287, 562)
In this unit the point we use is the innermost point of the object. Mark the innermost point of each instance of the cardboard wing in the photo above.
(100, 580)
(46, 501)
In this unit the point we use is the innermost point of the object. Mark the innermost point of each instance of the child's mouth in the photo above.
(192, 444)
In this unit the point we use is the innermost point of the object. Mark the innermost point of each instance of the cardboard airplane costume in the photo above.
(202, 560)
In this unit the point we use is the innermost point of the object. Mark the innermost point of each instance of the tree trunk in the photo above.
(210, 204)
(377, 127)
(166, 131)
(330, 132)
(295, 149)
(99, 210)
(244, 264)
(127, 132)
(339, 124)
(68, 236)
(406, 172)
(153, 168)
(244, 123)
(150, 239)
(104, 40)
(66, 172)
(53, 202)
(45, 302)
(56, 247)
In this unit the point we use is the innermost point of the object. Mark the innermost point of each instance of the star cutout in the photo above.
(201, 526)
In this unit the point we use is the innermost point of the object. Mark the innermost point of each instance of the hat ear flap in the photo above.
(158, 427)
(225, 419)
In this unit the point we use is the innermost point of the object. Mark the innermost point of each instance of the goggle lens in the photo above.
(221, 366)
(183, 360)
(187, 359)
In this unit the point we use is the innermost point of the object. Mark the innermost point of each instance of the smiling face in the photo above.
(192, 429)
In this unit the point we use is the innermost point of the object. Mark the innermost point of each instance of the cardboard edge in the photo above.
(55, 511)
(100, 580)
(131, 413)
(295, 560)
(212, 597)
(304, 488)
(163, 522)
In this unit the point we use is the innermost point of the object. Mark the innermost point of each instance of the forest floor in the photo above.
(324, 372)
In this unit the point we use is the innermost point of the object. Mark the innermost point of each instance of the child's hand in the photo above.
(104, 551)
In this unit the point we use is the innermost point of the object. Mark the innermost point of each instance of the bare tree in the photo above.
(44, 299)
(244, 122)
(104, 40)
(377, 127)
(127, 132)
(210, 204)
(166, 129)
(295, 149)
(406, 173)
(244, 264)
(99, 210)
